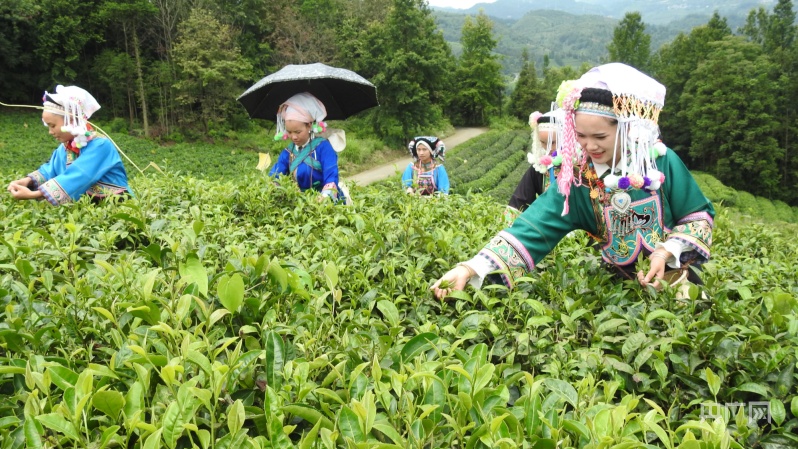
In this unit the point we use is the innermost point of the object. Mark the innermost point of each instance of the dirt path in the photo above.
(392, 169)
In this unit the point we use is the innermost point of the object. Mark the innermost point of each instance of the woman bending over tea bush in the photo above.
(625, 188)
(309, 159)
(84, 163)
(425, 176)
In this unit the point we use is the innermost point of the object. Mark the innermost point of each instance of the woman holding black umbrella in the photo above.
(309, 159)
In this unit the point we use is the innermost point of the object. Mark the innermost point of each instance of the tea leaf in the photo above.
(389, 311)
(57, 422)
(777, 411)
(349, 425)
(310, 437)
(231, 291)
(564, 390)
(33, 433)
(309, 414)
(418, 344)
(274, 348)
(753, 387)
(192, 272)
(235, 417)
(713, 380)
(108, 402)
(63, 377)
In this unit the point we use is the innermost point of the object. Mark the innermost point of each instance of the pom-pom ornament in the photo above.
(636, 181)
(557, 161)
(661, 148)
(533, 119)
(623, 183)
(611, 181)
(546, 160)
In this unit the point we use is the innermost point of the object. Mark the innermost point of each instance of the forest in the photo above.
(171, 70)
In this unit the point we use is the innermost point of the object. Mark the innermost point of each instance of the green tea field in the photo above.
(219, 310)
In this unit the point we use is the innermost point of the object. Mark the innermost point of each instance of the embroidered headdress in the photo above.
(540, 156)
(635, 100)
(303, 108)
(76, 105)
(435, 146)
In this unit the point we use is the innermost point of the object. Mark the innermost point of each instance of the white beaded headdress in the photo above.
(637, 102)
(76, 105)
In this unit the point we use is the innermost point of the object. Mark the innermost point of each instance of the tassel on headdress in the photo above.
(76, 105)
(637, 100)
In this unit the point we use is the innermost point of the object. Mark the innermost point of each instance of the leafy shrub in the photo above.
(208, 312)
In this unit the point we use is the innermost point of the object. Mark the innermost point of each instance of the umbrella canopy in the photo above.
(343, 92)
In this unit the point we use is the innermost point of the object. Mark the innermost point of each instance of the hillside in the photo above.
(568, 38)
(661, 12)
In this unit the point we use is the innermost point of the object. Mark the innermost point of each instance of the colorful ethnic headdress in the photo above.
(76, 105)
(435, 146)
(540, 156)
(636, 101)
(303, 108)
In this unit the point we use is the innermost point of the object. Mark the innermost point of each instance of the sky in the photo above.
(460, 4)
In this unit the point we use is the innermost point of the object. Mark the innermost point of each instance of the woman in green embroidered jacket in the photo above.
(309, 159)
(630, 192)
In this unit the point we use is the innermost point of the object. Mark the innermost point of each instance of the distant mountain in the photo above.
(571, 38)
(653, 11)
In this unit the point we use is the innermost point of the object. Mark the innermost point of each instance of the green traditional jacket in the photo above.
(677, 210)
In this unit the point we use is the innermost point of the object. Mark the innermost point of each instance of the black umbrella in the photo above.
(342, 91)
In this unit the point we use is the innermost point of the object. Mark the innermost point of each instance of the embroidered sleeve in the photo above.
(37, 179)
(506, 255)
(54, 193)
(695, 231)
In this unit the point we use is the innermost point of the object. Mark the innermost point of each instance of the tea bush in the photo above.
(239, 313)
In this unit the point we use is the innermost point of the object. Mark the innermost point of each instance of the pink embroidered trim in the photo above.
(54, 193)
(697, 216)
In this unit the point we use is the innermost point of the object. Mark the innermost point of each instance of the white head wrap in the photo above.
(76, 105)
(302, 107)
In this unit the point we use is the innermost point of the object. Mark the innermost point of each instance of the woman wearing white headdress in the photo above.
(543, 160)
(426, 175)
(631, 193)
(84, 163)
(310, 159)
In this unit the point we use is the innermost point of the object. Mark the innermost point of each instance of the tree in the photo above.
(630, 42)
(730, 104)
(211, 68)
(478, 82)
(129, 16)
(554, 76)
(527, 95)
(411, 69)
(776, 34)
(673, 65)
(19, 71)
(64, 31)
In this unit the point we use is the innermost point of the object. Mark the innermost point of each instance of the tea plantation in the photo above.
(226, 311)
